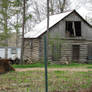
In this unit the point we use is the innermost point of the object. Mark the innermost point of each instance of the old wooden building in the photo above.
(70, 38)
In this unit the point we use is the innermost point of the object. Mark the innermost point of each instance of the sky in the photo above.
(87, 4)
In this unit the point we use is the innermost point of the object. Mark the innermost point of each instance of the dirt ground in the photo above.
(53, 69)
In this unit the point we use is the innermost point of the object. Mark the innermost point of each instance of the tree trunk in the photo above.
(17, 37)
(6, 32)
(6, 50)
(23, 27)
(17, 33)
(51, 7)
(62, 5)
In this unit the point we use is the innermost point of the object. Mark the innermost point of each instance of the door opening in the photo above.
(75, 52)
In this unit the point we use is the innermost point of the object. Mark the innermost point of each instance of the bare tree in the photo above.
(38, 10)
(62, 5)
(51, 7)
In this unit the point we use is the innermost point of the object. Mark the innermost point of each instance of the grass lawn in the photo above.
(41, 65)
(33, 81)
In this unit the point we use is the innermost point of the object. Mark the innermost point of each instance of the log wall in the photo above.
(36, 52)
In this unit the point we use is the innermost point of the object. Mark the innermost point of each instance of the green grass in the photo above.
(33, 81)
(29, 65)
(41, 65)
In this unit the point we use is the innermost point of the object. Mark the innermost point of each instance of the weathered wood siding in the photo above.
(31, 49)
(86, 31)
(67, 49)
(58, 30)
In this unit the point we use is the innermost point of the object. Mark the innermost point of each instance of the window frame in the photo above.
(73, 33)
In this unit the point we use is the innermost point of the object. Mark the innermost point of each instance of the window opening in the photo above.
(73, 28)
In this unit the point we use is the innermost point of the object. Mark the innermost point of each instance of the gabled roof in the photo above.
(41, 28)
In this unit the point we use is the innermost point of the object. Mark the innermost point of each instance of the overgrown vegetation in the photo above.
(33, 81)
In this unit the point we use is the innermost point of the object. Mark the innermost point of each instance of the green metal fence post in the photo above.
(46, 49)
(45, 62)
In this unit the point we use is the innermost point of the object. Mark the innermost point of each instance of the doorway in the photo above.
(75, 52)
